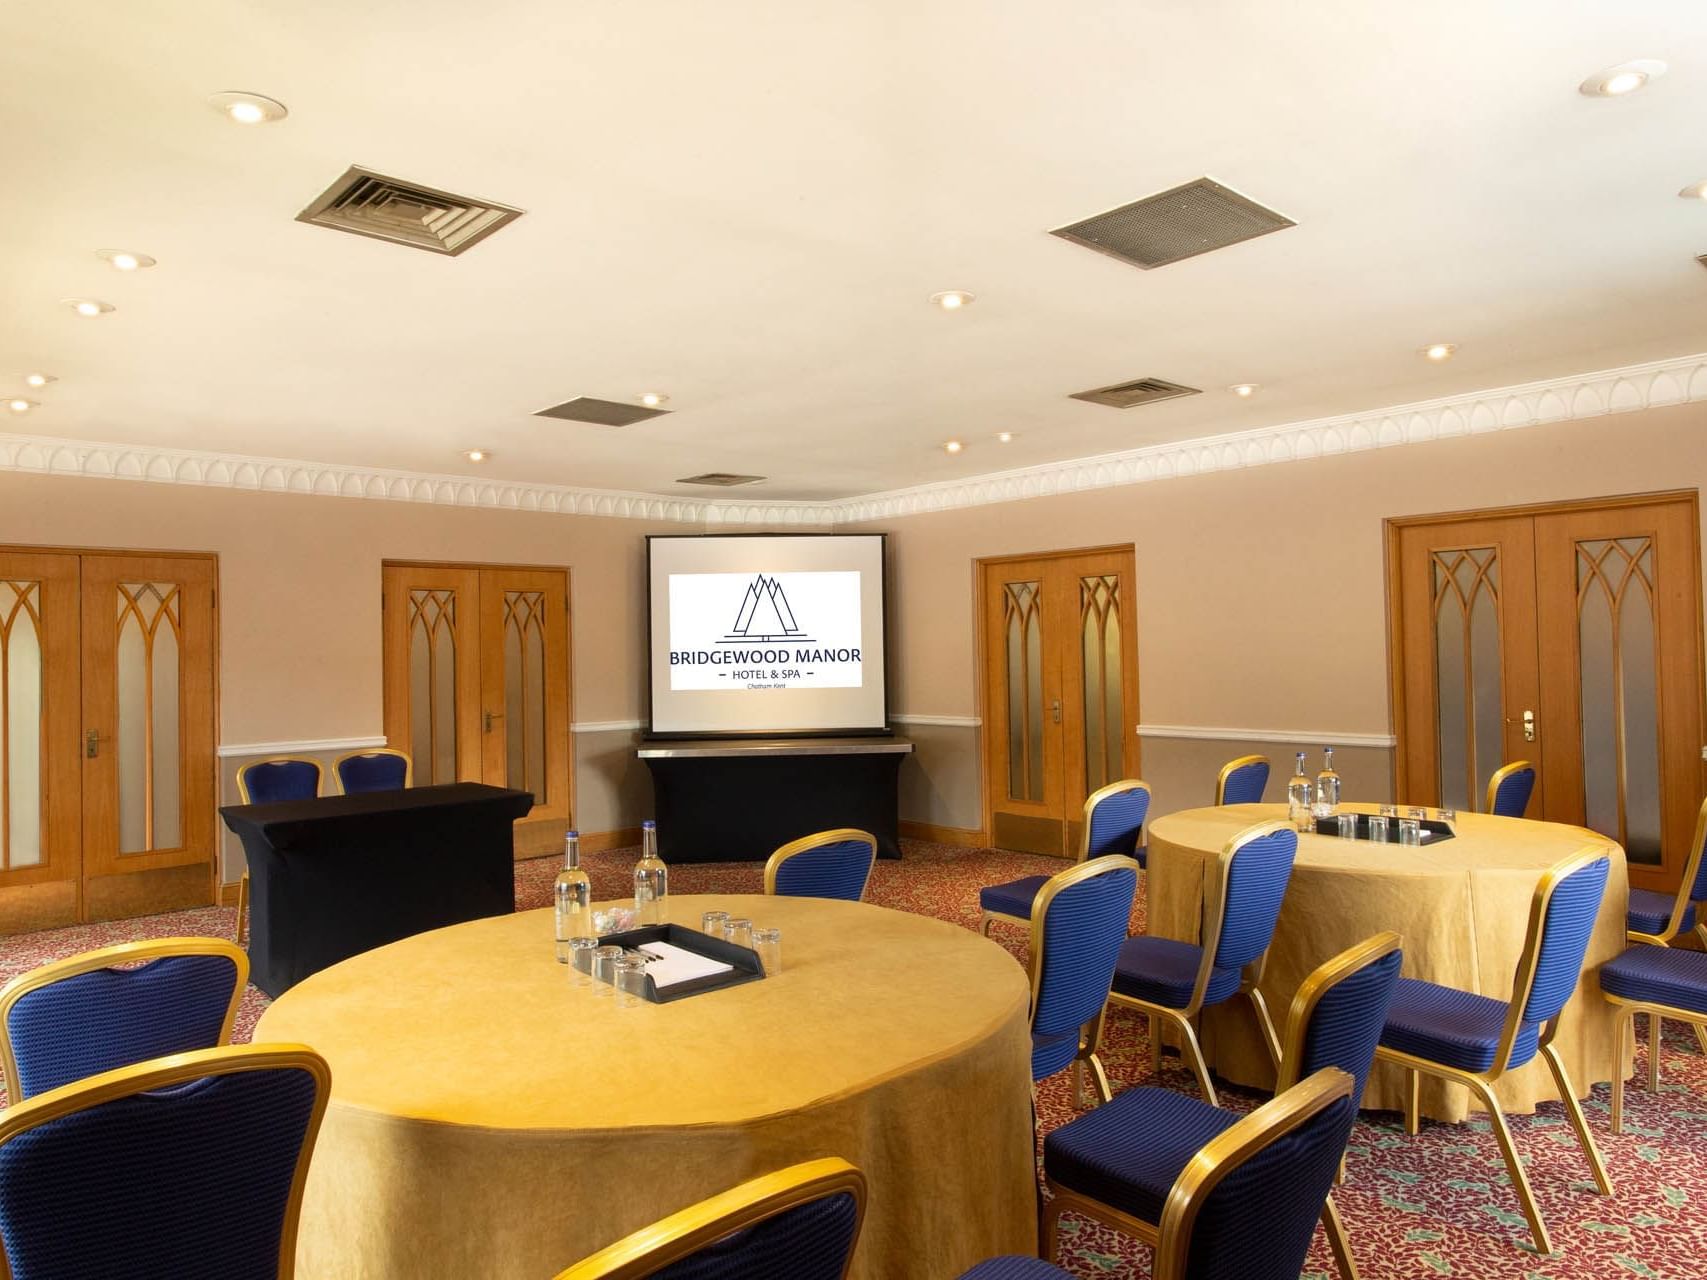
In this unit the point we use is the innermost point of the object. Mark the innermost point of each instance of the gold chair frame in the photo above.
(1480, 1083)
(106, 958)
(1180, 1019)
(176, 1069)
(817, 841)
(1622, 1039)
(987, 918)
(241, 933)
(1090, 1035)
(1500, 775)
(408, 765)
(683, 1233)
(1228, 769)
(1691, 869)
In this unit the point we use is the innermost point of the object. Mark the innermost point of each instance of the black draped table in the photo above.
(338, 875)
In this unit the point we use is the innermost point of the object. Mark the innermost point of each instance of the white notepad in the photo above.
(671, 965)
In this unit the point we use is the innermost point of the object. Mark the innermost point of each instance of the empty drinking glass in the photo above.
(630, 970)
(1410, 831)
(604, 968)
(1389, 811)
(740, 932)
(1379, 828)
(1347, 823)
(712, 922)
(1446, 815)
(581, 961)
(768, 943)
(1417, 812)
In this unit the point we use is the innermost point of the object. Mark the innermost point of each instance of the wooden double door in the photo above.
(477, 677)
(1568, 636)
(107, 707)
(1060, 691)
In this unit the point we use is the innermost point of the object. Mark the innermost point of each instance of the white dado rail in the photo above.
(1327, 737)
(306, 747)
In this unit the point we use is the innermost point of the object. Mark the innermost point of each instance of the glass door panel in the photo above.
(524, 697)
(431, 617)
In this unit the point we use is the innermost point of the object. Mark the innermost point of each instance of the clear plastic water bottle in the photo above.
(1298, 793)
(1328, 783)
(573, 896)
(651, 877)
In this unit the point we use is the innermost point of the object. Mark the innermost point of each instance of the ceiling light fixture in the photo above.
(1695, 191)
(952, 446)
(477, 455)
(88, 306)
(1005, 437)
(122, 261)
(38, 380)
(953, 299)
(1244, 390)
(1626, 77)
(20, 406)
(652, 399)
(247, 108)
(1438, 351)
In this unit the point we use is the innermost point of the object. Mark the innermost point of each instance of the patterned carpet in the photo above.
(1436, 1205)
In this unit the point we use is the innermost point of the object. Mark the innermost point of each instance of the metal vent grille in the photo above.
(1177, 224)
(607, 413)
(722, 479)
(1125, 395)
(1701, 258)
(365, 203)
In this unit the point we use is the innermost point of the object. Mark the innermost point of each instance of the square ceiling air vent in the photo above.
(607, 413)
(1126, 395)
(365, 203)
(1172, 225)
(722, 479)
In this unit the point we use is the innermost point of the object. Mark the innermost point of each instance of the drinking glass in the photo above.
(1347, 825)
(604, 968)
(768, 943)
(740, 932)
(712, 923)
(1446, 815)
(581, 961)
(1410, 831)
(1379, 828)
(630, 972)
(1389, 811)
(1417, 812)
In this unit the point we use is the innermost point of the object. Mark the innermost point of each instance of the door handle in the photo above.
(1529, 726)
(91, 744)
(490, 717)
(1055, 710)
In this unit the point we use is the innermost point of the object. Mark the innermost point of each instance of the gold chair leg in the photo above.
(1050, 1232)
(1579, 1122)
(984, 923)
(1338, 1241)
(1620, 1048)
(1080, 1102)
(1266, 1024)
(1514, 1166)
(241, 933)
(1190, 1050)
(1655, 1032)
(1099, 1077)
(1413, 1095)
(1155, 1045)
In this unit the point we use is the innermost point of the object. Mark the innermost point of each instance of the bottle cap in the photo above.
(571, 834)
(648, 825)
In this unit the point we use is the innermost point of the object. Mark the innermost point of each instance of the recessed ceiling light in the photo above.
(1440, 350)
(953, 299)
(1244, 390)
(952, 446)
(39, 379)
(247, 108)
(123, 261)
(652, 399)
(1695, 191)
(1005, 437)
(88, 306)
(20, 406)
(1626, 77)
(477, 455)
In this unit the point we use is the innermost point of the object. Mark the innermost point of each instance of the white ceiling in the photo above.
(746, 205)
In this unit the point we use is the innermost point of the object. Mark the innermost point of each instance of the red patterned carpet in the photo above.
(1436, 1205)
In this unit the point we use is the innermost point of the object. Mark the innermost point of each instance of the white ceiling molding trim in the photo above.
(1590, 395)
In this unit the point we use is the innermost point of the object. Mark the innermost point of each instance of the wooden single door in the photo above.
(431, 619)
(1060, 691)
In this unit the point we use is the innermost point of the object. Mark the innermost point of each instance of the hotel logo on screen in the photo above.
(751, 631)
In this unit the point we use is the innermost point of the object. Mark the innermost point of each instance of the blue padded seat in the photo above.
(1658, 975)
(1128, 1153)
(1014, 1266)
(1163, 971)
(808, 1242)
(1457, 1028)
(1650, 912)
(836, 870)
(1013, 898)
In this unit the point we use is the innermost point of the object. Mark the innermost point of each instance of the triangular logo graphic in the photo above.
(764, 614)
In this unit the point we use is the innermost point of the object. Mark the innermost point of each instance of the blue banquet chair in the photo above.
(1077, 929)
(184, 1166)
(80, 1016)
(1171, 981)
(1117, 1163)
(1658, 918)
(830, 864)
(1242, 781)
(1510, 788)
(1662, 982)
(1475, 1039)
(275, 780)
(799, 1223)
(1245, 1205)
(377, 769)
(1113, 824)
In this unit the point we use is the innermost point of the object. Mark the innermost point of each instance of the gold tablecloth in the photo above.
(1462, 907)
(487, 1119)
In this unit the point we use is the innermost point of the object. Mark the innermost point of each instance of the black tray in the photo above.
(745, 959)
(1433, 830)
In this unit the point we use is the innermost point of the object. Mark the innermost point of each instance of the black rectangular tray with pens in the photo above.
(744, 959)
(1433, 830)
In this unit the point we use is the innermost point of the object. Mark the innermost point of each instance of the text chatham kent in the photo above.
(743, 657)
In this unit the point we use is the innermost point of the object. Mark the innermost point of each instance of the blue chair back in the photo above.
(1115, 820)
(373, 771)
(58, 1030)
(1244, 782)
(834, 869)
(1344, 1027)
(1082, 919)
(1566, 928)
(277, 781)
(1257, 877)
(1512, 792)
(1698, 889)
(187, 1167)
(809, 1242)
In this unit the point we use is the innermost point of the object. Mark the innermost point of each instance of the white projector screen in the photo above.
(767, 634)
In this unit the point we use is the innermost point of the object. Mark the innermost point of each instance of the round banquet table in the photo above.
(1461, 906)
(489, 1119)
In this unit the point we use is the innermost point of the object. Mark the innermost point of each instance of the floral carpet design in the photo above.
(1439, 1204)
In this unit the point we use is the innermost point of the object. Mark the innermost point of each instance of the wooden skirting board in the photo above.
(964, 837)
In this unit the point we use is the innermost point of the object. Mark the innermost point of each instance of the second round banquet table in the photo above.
(1461, 905)
(489, 1119)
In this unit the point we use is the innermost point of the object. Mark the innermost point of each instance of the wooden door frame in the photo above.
(980, 643)
(1393, 525)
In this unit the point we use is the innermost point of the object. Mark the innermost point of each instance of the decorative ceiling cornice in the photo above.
(1589, 395)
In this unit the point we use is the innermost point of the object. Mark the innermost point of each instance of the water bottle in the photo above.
(651, 877)
(574, 897)
(1328, 784)
(1298, 793)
